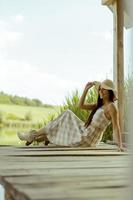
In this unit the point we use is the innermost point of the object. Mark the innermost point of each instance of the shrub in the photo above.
(108, 134)
(51, 117)
(28, 116)
(1, 117)
(12, 116)
(71, 103)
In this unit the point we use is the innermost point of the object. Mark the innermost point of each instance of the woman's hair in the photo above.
(99, 104)
(111, 95)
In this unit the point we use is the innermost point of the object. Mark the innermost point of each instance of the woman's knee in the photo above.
(68, 111)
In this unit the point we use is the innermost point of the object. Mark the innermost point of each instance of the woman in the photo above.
(69, 130)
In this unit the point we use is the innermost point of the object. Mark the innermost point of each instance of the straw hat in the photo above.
(108, 85)
(97, 84)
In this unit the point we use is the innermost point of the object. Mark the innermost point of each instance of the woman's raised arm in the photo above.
(82, 104)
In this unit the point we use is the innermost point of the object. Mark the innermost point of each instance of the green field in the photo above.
(8, 135)
(38, 114)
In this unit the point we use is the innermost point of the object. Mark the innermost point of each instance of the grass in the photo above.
(39, 114)
(11, 121)
(9, 137)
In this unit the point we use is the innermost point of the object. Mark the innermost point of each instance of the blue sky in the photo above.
(50, 47)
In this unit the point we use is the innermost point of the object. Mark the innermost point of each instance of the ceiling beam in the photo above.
(107, 2)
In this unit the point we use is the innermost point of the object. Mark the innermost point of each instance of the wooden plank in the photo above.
(58, 180)
(38, 174)
(53, 148)
(60, 159)
(63, 165)
(71, 159)
(31, 179)
(70, 184)
(104, 147)
(63, 172)
(44, 185)
(63, 153)
(13, 149)
(73, 192)
(101, 146)
(106, 193)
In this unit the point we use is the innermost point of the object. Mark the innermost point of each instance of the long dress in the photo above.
(69, 130)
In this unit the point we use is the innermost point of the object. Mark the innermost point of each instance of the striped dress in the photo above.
(69, 130)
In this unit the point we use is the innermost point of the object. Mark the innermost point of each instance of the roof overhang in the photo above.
(107, 2)
(128, 13)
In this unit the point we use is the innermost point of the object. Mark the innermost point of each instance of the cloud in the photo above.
(8, 37)
(106, 35)
(19, 19)
(3, 23)
(25, 80)
(77, 62)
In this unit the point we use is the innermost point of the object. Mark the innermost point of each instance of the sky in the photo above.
(49, 48)
(1, 192)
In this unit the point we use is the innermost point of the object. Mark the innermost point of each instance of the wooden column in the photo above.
(8, 196)
(116, 7)
(118, 57)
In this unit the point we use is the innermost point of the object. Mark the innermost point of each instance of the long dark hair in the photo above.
(98, 105)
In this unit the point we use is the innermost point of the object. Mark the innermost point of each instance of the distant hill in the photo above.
(24, 101)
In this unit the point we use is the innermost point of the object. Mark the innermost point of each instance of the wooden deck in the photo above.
(53, 173)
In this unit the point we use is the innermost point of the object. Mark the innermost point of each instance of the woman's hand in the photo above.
(121, 149)
(89, 85)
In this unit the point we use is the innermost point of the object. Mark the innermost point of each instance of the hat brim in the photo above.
(109, 88)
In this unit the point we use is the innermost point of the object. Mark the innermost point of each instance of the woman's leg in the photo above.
(41, 135)
(56, 125)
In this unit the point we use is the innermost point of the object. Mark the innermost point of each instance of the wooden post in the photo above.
(118, 54)
(118, 64)
(8, 196)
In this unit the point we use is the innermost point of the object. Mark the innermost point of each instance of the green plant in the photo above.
(12, 116)
(51, 117)
(108, 133)
(28, 116)
(1, 117)
(71, 103)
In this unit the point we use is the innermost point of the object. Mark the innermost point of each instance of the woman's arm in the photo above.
(116, 127)
(82, 104)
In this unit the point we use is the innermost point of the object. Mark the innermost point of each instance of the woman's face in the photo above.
(103, 93)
